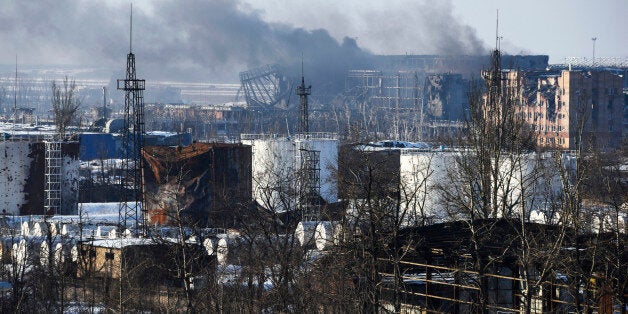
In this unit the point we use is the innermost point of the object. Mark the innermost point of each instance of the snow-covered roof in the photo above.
(122, 242)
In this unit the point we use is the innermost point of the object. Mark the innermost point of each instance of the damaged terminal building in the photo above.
(430, 89)
(383, 92)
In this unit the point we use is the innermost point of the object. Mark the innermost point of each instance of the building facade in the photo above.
(566, 108)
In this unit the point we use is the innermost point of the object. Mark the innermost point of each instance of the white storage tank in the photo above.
(222, 251)
(208, 244)
(277, 162)
(305, 232)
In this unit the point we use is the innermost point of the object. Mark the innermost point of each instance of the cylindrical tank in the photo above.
(327, 234)
(44, 250)
(54, 230)
(58, 255)
(39, 229)
(25, 229)
(305, 232)
(208, 244)
(222, 251)
(20, 253)
(74, 253)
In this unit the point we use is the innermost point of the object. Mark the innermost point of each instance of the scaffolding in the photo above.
(53, 178)
(310, 199)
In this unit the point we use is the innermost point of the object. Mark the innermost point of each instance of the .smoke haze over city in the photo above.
(214, 40)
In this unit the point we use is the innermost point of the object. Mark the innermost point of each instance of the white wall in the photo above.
(276, 166)
(14, 170)
(422, 174)
(15, 165)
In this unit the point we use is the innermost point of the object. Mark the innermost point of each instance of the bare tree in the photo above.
(65, 104)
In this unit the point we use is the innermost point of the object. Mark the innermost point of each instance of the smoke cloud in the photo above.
(197, 40)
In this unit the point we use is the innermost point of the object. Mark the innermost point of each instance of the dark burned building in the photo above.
(446, 267)
(202, 184)
(367, 172)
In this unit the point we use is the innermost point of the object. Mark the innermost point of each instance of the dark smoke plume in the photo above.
(191, 40)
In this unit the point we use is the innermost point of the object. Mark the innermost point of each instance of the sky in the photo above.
(213, 40)
(558, 28)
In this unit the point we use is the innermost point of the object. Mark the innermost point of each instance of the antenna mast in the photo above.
(14, 99)
(131, 187)
(104, 102)
(593, 60)
(497, 31)
(303, 92)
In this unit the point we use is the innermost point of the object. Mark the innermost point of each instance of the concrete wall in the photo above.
(423, 175)
(22, 177)
(14, 170)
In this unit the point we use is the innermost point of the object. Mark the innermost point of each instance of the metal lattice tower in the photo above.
(133, 140)
(53, 178)
(303, 92)
(310, 186)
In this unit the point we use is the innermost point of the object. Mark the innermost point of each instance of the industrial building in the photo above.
(422, 178)
(559, 105)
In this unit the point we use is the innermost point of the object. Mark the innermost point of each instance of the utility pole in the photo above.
(104, 102)
(593, 39)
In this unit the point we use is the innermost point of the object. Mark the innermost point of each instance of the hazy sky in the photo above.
(215, 39)
(559, 28)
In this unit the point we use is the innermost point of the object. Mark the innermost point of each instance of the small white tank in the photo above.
(39, 229)
(208, 244)
(58, 254)
(25, 229)
(52, 226)
(327, 234)
(222, 250)
(44, 250)
(305, 232)
(74, 253)
(64, 230)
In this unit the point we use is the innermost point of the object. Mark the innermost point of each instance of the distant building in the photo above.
(145, 259)
(559, 104)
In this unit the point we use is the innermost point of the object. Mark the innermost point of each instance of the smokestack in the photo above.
(104, 102)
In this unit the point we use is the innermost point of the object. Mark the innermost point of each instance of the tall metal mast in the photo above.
(131, 185)
(104, 102)
(14, 100)
(303, 92)
(593, 59)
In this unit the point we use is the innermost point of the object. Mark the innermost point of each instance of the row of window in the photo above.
(552, 140)
(547, 128)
